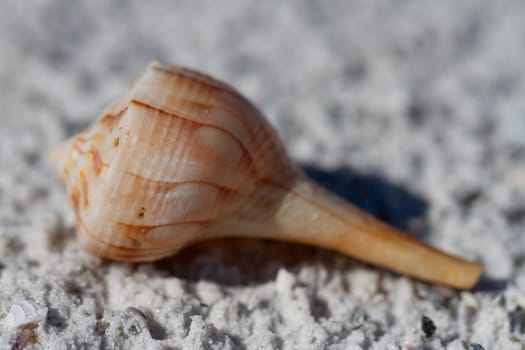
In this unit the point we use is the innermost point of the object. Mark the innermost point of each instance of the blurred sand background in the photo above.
(414, 110)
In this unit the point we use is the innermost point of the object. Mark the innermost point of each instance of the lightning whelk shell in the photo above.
(181, 158)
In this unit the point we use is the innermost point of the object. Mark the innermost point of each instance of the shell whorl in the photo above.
(176, 154)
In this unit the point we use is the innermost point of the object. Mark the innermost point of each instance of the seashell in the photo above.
(181, 158)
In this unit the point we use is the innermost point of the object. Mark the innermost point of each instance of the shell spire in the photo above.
(181, 158)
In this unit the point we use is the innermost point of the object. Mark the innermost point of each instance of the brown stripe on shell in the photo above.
(74, 198)
(200, 78)
(205, 108)
(84, 185)
(180, 116)
(111, 119)
(98, 164)
(205, 81)
(145, 229)
(81, 225)
(162, 185)
(94, 155)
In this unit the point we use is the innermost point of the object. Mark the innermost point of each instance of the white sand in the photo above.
(416, 109)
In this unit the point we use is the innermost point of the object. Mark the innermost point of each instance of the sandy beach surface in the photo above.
(413, 110)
